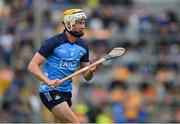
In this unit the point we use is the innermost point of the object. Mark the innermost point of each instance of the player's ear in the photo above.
(68, 25)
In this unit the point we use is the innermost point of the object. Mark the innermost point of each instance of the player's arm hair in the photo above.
(35, 67)
(87, 74)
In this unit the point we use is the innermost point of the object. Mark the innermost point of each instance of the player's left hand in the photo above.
(95, 68)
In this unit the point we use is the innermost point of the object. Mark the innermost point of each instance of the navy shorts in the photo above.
(53, 98)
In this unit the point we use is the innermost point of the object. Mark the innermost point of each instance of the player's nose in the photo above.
(82, 26)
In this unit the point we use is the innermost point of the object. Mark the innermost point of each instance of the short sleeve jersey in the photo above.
(62, 59)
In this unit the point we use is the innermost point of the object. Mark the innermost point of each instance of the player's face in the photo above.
(78, 27)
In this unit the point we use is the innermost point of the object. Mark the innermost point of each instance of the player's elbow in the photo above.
(30, 67)
(88, 78)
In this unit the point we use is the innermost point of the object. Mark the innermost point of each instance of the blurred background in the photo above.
(141, 86)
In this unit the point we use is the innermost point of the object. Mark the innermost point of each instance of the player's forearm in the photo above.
(89, 75)
(36, 71)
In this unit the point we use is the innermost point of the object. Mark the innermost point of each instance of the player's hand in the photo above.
(95, 68)
(54, 83)
(57, 83)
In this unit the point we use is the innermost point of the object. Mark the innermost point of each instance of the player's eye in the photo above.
(82, 22)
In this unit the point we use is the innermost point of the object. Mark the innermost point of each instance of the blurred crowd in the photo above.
(141, 86)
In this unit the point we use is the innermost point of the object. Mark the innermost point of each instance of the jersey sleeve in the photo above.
(85, 57)
(47, 48)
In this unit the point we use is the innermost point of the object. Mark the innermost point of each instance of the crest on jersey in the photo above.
(72, 52)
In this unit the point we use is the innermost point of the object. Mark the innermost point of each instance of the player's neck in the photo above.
(70, 37)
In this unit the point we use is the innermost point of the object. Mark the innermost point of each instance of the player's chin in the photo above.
(80, 34)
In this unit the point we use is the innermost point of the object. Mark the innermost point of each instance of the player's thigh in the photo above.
(64, 113)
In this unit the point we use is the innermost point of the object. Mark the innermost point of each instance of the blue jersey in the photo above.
(62, 59)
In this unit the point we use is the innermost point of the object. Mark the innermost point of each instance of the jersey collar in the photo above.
(66, 39)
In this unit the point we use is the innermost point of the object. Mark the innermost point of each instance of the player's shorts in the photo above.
(53, 98)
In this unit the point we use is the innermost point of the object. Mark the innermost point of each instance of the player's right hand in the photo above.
(54, 83)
